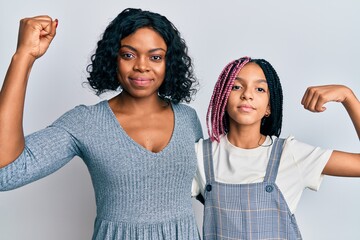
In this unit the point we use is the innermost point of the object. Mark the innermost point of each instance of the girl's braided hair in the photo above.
(217, 119)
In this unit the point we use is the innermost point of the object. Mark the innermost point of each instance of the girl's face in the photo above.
(248, 102)
(141, 63)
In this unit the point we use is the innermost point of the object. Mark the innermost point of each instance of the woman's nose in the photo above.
(141, 65)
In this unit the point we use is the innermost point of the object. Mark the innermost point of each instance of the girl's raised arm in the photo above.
(340, 163)
(315, 98)
(35, 36)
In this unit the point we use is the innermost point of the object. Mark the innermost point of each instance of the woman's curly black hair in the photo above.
(179, 82)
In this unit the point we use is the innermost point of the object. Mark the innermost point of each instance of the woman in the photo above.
(138, 146)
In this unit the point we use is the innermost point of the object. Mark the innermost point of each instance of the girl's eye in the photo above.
(260, 90)
(235, 87)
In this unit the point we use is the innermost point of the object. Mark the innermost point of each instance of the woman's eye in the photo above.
(235, 87)
(156, 58)
(127, 55)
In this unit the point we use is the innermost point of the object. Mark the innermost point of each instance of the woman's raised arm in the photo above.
(35, 36)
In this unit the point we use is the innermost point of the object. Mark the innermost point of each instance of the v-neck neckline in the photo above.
(130, 139)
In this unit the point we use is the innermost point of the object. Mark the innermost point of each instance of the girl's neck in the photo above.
(246, 137)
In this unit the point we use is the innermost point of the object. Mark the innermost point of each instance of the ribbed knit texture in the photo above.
(139, 194)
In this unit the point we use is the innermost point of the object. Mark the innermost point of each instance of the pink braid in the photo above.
(216, 110)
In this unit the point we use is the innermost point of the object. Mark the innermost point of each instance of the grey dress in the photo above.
(139, 194)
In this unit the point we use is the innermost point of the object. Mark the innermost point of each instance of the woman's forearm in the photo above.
(12, 98)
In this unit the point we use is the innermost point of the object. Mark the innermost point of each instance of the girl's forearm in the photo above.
(352, 106)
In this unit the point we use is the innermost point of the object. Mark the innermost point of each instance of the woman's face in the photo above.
(248, 102)
(141, 63)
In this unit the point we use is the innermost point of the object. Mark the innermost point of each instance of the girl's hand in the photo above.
(35, 35)
(315, 97)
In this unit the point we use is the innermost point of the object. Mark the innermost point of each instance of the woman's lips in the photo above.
(141, 81)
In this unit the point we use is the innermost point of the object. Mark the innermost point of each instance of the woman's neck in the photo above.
(127, 104)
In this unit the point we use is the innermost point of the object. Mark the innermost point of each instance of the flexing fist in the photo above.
(315, 97)
(35, 35)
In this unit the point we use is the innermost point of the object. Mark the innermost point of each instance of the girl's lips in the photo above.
(246, 108)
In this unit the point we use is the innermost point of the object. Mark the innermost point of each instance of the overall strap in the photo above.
(208, 161)
(274, 161)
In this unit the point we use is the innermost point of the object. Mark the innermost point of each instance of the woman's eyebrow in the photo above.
(135, 50)
(157, 49)
(129, 47)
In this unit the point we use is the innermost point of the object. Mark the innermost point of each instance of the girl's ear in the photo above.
(268, 111)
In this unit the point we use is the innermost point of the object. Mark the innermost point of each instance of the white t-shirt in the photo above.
(301, 166)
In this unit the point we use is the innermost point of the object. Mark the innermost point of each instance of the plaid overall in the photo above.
(247, 211)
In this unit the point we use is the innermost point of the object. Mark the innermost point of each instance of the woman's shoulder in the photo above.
(82, 113)
(182, 107)
(186, 112)
(92, 107)
(89, 108)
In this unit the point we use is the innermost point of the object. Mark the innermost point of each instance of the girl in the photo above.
(251, 179)
(138, 146)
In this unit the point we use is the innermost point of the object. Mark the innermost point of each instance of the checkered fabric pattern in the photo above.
(247, 211)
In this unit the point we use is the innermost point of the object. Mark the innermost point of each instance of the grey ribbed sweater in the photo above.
(139, 194)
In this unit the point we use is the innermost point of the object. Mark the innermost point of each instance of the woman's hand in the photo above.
(35, 35)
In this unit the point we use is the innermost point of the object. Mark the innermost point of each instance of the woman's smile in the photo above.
(141, 81)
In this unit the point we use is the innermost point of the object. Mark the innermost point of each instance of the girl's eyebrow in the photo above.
(135, 50)
(258, 81)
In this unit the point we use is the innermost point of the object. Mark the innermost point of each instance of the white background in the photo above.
(308, 43)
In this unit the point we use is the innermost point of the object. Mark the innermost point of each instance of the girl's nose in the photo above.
(246, 95)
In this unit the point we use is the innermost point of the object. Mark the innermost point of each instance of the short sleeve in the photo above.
(310, 160)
